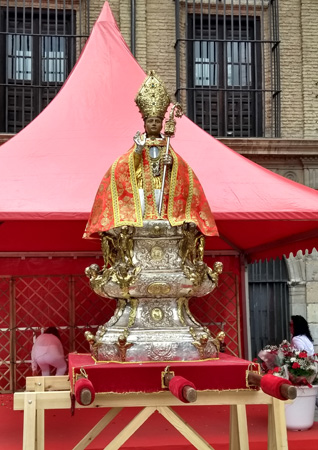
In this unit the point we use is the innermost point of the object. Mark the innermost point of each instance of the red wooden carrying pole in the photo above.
(287, 391)
(188, 392)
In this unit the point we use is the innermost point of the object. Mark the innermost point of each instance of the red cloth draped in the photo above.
(176, 386)
(117, 200)
(271, 384)
(225, 373)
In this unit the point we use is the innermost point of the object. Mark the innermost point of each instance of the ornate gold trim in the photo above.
(133, 312)
(180, 302)
(172, 188)
(190, 195)
(186, 306)
(152, 98)
(114, 193)
(135, 190)
(121, 304)
(152, 183)
(152, 362)
(137, 205)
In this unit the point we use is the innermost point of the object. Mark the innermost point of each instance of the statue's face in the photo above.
(153, 126)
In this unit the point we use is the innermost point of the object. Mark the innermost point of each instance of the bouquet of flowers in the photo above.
(287, 362)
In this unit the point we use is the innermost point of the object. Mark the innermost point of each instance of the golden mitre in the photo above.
(152, 98)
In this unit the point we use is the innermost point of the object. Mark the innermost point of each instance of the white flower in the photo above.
(292, 359)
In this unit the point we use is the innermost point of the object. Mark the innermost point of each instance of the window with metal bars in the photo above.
(228, 66)
(225, 77)
(37, 52)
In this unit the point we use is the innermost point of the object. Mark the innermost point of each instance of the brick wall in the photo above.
(154, 34)
(309, 27)
(161, 38)
(299, 68)
(291, 69)
(155, 39)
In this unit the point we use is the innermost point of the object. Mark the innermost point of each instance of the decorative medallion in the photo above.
(156, 253)
(159, 288)
(157, 314)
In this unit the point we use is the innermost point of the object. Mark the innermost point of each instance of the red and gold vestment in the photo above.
(117, 201)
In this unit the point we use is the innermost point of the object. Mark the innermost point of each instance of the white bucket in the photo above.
(300, 414)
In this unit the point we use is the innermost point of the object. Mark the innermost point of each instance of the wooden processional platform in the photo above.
(44, 393)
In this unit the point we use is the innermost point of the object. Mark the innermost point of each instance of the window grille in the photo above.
(227, 56)
(39, 45)
(29, 304)
(269, 303)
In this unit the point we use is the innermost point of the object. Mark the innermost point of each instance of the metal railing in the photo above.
(269, 303)
(227, 58)
(40, 42)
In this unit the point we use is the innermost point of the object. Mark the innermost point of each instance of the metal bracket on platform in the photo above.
(167, 373)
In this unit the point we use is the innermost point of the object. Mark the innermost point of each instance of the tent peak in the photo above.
(106, 15)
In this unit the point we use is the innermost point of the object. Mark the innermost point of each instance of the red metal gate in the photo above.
(29, 303)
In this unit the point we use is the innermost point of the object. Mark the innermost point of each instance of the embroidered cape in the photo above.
(117, 201)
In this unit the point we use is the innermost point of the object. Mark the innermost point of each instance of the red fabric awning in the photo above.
(50, 171)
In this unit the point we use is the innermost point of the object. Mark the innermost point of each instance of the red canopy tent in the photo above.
(50, 171)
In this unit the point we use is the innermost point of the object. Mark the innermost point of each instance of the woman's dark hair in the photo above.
(53, 330)
(301, 327)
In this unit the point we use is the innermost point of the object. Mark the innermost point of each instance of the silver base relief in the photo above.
(153, 271)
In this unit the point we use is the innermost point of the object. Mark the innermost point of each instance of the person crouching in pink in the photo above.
(47, 352)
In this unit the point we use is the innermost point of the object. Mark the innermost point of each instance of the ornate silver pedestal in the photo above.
(153, 272)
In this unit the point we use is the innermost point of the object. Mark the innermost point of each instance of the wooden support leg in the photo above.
(97, 429)
(189, 433)
(129, 430)
(238, 428)
(277, 432)
(29, 422)
(40, 414)
(40, 429)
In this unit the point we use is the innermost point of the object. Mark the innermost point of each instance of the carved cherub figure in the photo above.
(92, 342)
(124, 278)
(196, 273)
(123, 346)
(96, 277)
(90, 337)
(201, 345)
(188, 245)
(108, 247)
(200, 247)
(92, 271)
(214, 274)
(221, 338)
(219, 341)
(125, 244)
